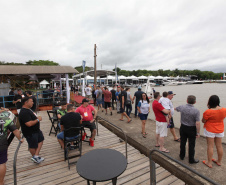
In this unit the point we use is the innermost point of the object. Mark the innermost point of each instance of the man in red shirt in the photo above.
(86, 110)
(161, 123)
(107, 99)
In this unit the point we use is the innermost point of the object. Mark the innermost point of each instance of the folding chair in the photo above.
(54, 121)
(70, 136)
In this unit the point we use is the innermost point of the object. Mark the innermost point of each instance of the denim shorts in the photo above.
(3, 156)
(143, 116)
(99, 102)
(61, 136)
(34, 139)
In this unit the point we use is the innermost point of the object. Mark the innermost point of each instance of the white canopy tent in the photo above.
(43, 84)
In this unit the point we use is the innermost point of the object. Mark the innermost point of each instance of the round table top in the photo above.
(101, 165)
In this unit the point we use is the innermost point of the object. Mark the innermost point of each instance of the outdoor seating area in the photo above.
(54, 170)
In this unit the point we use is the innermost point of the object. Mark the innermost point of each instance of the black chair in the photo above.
(71, 132)
(54, 121)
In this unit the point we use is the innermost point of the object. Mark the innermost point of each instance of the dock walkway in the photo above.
(54, 170)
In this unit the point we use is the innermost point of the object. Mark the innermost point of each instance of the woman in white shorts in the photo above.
(213, 119)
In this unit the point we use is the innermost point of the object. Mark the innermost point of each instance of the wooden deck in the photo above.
(54, 170)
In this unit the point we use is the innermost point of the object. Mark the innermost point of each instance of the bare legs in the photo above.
(172, 130)
(35, 151)
(124, 114)
(143, 126)
(210, 145)
(2, 173)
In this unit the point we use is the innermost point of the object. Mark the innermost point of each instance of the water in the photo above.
(202, 93)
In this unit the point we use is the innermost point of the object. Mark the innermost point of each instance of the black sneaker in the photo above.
(35, 160)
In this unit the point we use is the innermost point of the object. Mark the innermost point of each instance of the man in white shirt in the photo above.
(88, 92)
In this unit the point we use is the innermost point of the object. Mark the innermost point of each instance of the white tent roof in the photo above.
(142, 77)
(121, 77)
(44, 82)
(151, 77)
(89, 77)
(110, 77)
(132, 77)
(158, 77)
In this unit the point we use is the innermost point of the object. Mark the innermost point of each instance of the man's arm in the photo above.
(62, 127)
(123, 102)
(198, 128)
(17, 134)
(33, 122)
(166, 111)
(203, 120)
(95, 115)
(59, 116)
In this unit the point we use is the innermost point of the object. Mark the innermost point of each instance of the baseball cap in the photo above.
(171, 92)
(85, 100)
(139, 87)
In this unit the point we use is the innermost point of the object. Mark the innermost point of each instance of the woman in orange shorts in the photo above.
(213, 119)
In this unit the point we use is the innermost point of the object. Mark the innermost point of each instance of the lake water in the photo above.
(202, 93)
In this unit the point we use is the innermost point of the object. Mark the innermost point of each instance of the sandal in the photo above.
(144, 135)
(129, 121)
(121, 119)
(165, 151)
(177, 140)
(215, 161)
(157, 145)
(204, 162)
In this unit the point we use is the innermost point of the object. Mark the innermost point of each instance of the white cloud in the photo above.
(134, 34)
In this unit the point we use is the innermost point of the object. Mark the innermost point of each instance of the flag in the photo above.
(83, 65)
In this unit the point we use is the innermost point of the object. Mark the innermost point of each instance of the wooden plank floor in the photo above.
(54, 170)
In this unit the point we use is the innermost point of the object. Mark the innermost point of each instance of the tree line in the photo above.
(204, 75)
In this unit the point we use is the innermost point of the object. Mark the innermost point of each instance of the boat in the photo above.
(195, 82)
(221, 81)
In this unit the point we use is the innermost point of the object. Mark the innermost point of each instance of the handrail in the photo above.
(119, 129)
(152, 168)
(14, 162)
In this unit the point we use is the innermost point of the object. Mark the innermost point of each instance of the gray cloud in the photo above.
(134, 34)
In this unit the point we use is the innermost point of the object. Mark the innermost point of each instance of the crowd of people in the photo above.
(86, 114)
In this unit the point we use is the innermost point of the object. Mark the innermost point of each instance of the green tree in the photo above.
(118, 69)
(42, 63)
(80, 68)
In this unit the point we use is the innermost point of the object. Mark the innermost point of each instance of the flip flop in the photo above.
(177, 140)
(121, 119)
(144, 136)
(204, 162)
(165, 151)
(145, 133)
(157, 145)
(129, 121)
(215, 161)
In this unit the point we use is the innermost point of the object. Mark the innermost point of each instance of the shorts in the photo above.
(107, 104)
(211, 134)
(3, 156)
(87, 124)
(34, 139)
(143, 116)
(171, 123)
(99, 101)
(161, 128)
(61, 136)
(122, 110)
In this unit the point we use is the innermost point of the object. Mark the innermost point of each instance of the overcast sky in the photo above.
(142, 34)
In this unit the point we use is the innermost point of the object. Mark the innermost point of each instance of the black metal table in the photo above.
(101, 165)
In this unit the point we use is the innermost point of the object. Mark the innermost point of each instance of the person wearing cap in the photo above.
(17, 100)
(161, 124)
(88, 120)
(123, 98)
(172, 129)
(137, 95)
(29, 94)
(190, 128)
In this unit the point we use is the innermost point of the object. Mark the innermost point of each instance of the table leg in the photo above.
(88, 182)
(94, 182)
(114, 181)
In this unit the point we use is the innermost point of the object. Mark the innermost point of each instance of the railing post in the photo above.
(152, 172)
(4, 101)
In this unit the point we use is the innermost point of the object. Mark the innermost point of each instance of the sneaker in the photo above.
(35, 160)
(83, 136)
(41, 159)
(91, 142)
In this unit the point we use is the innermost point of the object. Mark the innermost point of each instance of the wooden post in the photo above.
(95, 66)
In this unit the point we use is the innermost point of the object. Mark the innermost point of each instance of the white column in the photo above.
(60, 86)
(67, 88)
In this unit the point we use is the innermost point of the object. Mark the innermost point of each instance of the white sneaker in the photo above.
(35, 160)
(41, 159)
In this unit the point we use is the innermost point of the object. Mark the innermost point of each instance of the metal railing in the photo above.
(98, 117)
(4, 100)
(14, 162)
(153, 169)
